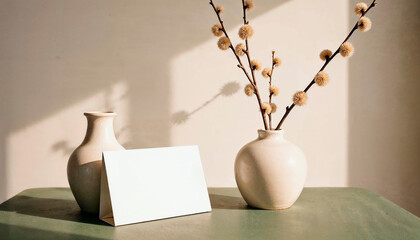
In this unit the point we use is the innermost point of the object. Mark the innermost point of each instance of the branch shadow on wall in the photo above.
(227, 90)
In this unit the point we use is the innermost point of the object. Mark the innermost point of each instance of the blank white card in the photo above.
(149, 184)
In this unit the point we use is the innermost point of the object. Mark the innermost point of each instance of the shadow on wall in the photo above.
(57, 53)
(227, 90)
(384, 109)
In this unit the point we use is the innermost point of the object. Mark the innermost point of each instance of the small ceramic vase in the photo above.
(270, 171)
(85, 163)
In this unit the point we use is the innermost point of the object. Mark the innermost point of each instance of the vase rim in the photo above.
(270, 131)
(100, 113)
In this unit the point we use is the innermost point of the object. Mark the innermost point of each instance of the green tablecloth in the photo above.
(320, 213)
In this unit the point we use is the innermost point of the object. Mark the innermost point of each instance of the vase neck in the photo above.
(269, 134)
(100, 127)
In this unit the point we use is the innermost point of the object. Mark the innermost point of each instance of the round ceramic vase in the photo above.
(270, 171)
(85, 163)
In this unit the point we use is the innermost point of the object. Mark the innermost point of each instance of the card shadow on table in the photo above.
(60, 209)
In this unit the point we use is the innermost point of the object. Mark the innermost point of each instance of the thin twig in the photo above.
(271, 94)
(248, 56)
(240, 65)
(289, 108)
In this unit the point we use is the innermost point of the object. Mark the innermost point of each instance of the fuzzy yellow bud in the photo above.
(360, 8)
(249, 90)
(364, 24)
(321, 78)
(223, 43)
(346, 49)
(276, 62)
(273, 107)
(240, 49)
(245, 32)
(217, 30)
(300, 98)
(266, 108)
(219, 9)
(266, 72)
(325, 55)
(255, 65)
(248, 5)
(274, 90)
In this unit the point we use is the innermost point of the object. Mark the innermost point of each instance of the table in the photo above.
(319, 213)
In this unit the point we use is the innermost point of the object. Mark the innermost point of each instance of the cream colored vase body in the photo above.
(270, 171)
(85, 163)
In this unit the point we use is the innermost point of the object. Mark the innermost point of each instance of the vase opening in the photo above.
(100, 113)
(270, 133)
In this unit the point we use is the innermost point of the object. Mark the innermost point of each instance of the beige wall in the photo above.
(159, 68)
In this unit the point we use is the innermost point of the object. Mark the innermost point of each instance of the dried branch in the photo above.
(248, 56)
(289, 108)
(240, 65)
(271, 94)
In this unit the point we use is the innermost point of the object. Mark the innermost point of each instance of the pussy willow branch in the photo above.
(240, 65)
(289, 108)
(246, 45)
(248, 56)
(271, 94)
